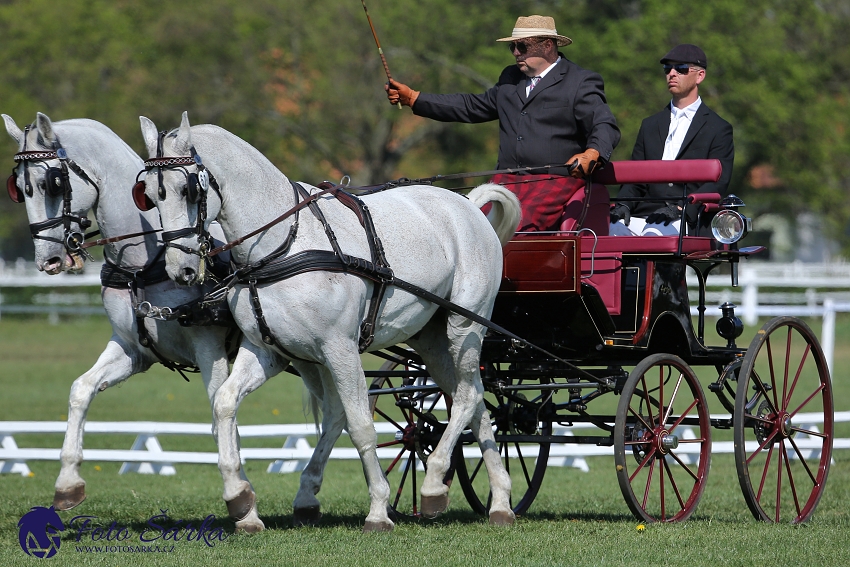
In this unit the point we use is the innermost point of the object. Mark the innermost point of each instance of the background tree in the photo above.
(303, 83)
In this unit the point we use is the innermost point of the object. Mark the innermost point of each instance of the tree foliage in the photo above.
(303, 82)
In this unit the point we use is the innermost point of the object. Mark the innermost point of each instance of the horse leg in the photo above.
(347, 372)
(113, 366)
(454, 365)
(252, 367)
(306, 507)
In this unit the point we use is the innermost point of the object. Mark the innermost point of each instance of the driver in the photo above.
(550, 112)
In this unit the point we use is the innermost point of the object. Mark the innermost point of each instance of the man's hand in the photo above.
(665, 215)
(621, 211)
(400, 93)
(584, 163)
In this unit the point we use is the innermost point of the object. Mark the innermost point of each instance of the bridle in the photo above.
(57, 182)
(196, 191)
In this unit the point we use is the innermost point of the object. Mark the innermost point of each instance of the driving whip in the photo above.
(378, 43)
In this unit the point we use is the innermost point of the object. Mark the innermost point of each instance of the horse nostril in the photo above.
(188, 275)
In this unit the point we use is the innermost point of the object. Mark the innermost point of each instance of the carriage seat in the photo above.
(645, 171)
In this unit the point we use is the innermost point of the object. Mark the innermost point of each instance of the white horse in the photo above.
(109, 168)
(431, 237)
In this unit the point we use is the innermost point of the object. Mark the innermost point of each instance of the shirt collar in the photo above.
(689, 111)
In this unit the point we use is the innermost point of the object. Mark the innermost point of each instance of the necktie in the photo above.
(533, 83)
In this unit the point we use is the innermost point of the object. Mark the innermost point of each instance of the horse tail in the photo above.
(505, 213)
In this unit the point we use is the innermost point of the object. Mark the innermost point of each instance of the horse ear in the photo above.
(150, 135)
(45, 128)
(13, 129)
(183, 143)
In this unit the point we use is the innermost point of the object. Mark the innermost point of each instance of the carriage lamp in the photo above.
(729, 226)
(729, 326)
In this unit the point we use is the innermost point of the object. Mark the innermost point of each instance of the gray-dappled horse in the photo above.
(306, 284)
(64, 170)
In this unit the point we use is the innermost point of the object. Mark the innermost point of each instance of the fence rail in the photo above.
(146, 455)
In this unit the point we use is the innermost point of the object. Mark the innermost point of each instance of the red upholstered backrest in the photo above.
(660, 171)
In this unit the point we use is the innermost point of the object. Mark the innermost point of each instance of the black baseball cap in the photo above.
(686, 53)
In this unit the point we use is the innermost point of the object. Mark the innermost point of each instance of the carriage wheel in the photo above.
(662, 440)
(512, 415)
(416, 430)
(784, 389)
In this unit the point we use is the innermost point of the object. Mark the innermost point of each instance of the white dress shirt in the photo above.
(680, 121)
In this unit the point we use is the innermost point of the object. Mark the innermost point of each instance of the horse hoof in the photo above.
(249, 526)
(68, 499)
(241, 506)
(433, 506)
(378, 527)
(500, 518)
(308, 516)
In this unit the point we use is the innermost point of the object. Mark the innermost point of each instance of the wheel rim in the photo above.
(511, 415)
(416, 429)
(662, 440)
(784, 391)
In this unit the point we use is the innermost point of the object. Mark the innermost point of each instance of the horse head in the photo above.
(57, 193)
(177, 183)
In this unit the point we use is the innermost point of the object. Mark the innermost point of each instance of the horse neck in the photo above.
(254, 192)
(113, 165)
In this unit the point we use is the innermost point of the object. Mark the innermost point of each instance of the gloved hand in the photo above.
(665, 215)
(584, 163)
(621, 211)
(400, 93)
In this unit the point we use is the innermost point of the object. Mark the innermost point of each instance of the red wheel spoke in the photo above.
(791, 479)
(764, 473)
(661, 489)
(684, 466)
(803, 461)
(660, 392)
(684, 414)
(648, 403)
(389, 444)
(648, 483)
(772, 375)
(640, 417)
(807, 400)
(394, 462)
(380, 412)
(779, 479)
(673, 483)
(787, 366)
(797, 376)
(812, 433)
(672, 399)
(762, 446)
(763, 391)
(649, 456)
(400, 488)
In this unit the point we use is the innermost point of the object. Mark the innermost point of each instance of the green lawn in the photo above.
(578, 518)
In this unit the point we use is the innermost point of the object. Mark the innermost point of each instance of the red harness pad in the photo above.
(542, 198)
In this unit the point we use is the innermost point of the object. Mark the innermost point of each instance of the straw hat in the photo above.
(536, 26)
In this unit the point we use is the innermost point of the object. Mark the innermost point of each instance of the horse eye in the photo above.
(42, 184)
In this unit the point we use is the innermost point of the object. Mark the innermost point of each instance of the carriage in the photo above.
(604, 355)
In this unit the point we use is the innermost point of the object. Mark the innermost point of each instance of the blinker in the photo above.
(12, 187)
(142, 201)
(55, 182)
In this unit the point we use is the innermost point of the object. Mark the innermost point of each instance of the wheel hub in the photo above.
(667, 442)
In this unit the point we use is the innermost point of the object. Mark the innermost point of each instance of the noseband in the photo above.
(57, 183)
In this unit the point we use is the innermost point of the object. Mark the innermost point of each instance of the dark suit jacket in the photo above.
(564, 114)
(709, 136)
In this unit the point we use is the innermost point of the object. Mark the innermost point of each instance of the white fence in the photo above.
(146, 455)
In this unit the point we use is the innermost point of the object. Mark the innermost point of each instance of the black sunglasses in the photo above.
(521, 46)
(682, 69)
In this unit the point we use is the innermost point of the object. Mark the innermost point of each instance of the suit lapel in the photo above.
(700, 119)
(553, 77)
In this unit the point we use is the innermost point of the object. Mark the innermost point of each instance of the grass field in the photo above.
(577, 519)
